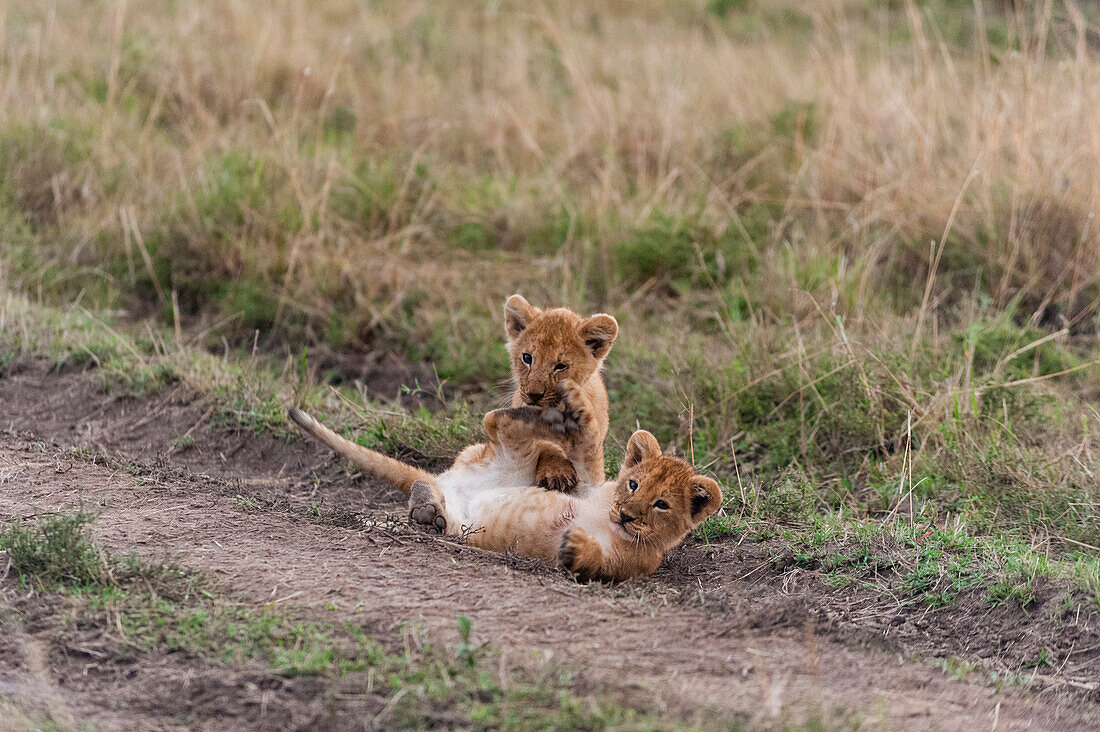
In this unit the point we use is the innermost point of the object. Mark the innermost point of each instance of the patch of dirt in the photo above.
(384, 575)
(710, 630)
(263, 468)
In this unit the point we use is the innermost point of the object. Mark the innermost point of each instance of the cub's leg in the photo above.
(473, 455)
(581, 554)
(583, 433)
(555, 438)
(427, 507)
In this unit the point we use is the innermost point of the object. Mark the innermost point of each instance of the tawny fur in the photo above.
(552, 338)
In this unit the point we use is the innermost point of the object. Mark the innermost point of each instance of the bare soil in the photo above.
(719, 628)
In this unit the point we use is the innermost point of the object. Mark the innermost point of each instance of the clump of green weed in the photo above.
(54, 550)
(7, 357)
(438, 678)
(465, 345)
(722, 8)
(339, 124)
(204, 247)
(380, 195)
(423, 437)
(227, 634)
(1006, 351)
(827, 410)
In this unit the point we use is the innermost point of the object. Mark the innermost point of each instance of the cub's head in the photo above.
(659, 498)
(547, 346)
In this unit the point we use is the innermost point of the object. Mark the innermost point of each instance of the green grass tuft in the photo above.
(55, 550)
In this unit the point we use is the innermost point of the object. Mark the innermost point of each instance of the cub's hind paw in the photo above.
(426, 508)
(429, 518)
(568, 417)
(553, 418)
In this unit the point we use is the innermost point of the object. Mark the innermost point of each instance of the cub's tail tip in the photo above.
(299, 417)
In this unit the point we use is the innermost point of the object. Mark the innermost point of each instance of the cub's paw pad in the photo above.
(423, 510)
(429, 518)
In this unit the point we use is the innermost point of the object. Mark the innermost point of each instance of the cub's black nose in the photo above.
(535, 398)
(625, 517)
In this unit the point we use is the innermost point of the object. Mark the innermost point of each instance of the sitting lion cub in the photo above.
(546, 347)
(615, 531)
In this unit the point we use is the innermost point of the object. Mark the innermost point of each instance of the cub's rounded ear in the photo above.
(598, 333)
(706, 497)
(641, 445)
(518, 314)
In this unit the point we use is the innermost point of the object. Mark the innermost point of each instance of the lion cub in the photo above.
(547, 347)
(617, 530)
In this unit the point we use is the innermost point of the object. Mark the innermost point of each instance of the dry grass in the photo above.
(326, 152)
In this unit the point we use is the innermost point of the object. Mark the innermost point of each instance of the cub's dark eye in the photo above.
(527, 359)
(561, 367)
(633, 485)
(661, 505)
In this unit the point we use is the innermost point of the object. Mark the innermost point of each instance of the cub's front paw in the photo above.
(567, 552)
(560, 483)
(555, 473)
(426, 508)
(579, 554)
(568, 417)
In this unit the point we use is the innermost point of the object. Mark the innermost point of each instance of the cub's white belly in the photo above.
(463, 487)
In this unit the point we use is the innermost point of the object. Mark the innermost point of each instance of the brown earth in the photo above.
(719, 628)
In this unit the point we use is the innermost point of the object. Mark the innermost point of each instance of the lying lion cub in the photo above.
(618, 530)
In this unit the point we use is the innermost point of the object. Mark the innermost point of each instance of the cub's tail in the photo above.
(386, 468)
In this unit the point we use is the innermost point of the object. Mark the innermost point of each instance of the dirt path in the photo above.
(643, 639)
